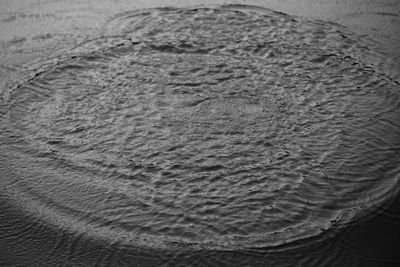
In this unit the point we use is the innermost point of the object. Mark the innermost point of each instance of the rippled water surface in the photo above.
(221, 128)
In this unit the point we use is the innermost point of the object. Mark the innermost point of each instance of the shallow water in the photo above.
(214, 135)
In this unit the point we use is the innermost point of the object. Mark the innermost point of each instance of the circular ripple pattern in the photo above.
(217, 127)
